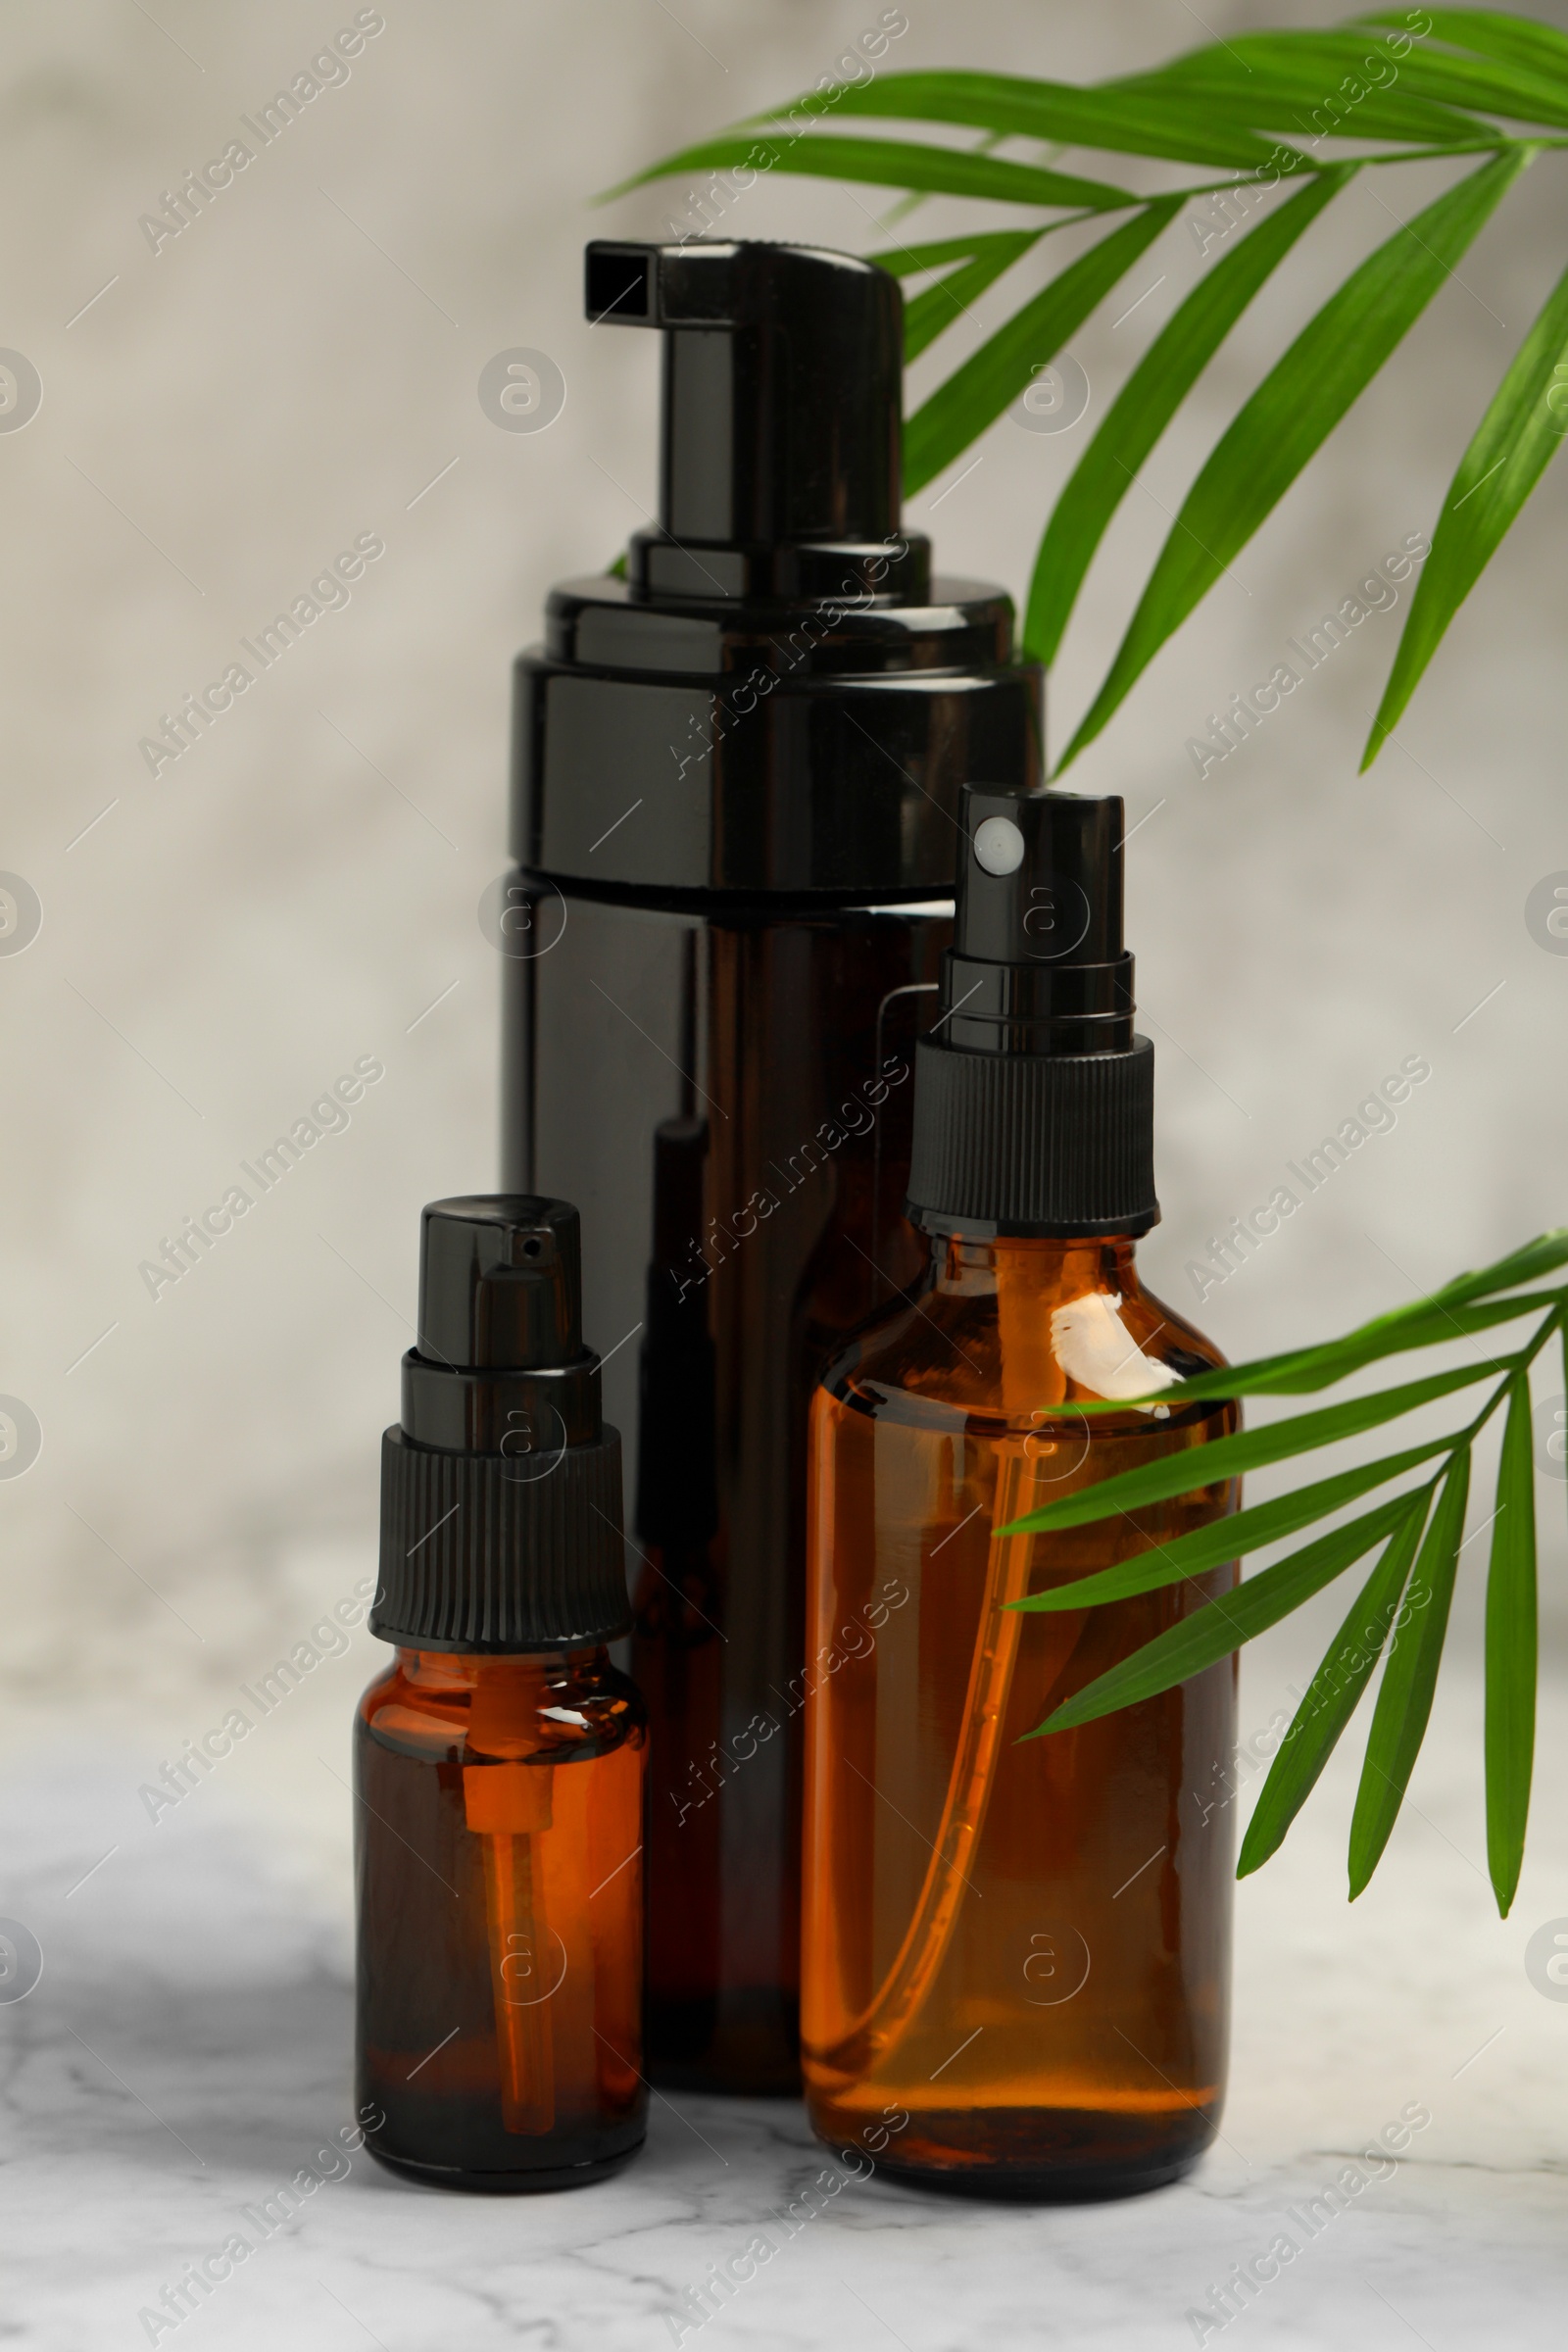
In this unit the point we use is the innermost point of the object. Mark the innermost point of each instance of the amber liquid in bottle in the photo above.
(498, 1856)
(1020, 1946)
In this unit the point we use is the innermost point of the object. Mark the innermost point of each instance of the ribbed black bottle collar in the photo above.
(497, 1554)
(1032, 1143)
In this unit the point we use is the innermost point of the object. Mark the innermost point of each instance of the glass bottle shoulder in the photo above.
(1079, 1326)
(560, 1708)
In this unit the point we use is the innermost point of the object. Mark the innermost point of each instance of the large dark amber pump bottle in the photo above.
(499, 1760)
(736, 770)
(1018, 1946)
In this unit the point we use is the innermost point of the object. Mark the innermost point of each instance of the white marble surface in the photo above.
(187, 2051)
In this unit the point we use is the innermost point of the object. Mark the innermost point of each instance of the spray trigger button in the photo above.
(999, 845)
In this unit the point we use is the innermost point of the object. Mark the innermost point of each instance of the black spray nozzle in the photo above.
(1034, 1101)
(1037, 964)
(500, 1283)
(782, 386)
(1041, 882)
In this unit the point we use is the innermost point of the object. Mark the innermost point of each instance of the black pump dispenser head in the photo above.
(782, 383)
(501, 1492)
(501, 1282)
(1034, 1099)
(772, 698)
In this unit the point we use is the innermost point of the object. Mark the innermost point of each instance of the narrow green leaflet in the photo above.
(980, 388)
(1293, 412)
(1176, 128)
(1223, 1625)
(1545, 1252)
(1221, 1540)
(1356, 70)
(1516, 40)
(889, 164)
(1275, 82)
(1311, 1368)
(1333, 1693)
(1515, 92)
(1524, 1264)
(1404, 1702)
(1147, 403)
(1510, 1735)
(1194, 1467)
(936, 308)
(1514, 443)
(912, 261)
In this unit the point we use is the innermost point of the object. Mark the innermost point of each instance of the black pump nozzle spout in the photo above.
(500, 1366)
(782, 386)
(501, 1282)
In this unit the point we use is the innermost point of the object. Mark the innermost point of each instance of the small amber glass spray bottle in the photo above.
(1017, 1950)
(499, 1760)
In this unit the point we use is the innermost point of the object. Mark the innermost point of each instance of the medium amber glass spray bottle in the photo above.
(499, 1761)
(1022, 1944)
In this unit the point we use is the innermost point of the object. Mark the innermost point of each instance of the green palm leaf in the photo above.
(1308, 1369)
(1229, 1537)
(1543, 1255)
(985, 260)
(1510, 1733)
(1145, 405)
(1514, 443)
(1291, 415)
(1224, 1624)
(1176, 127)
(1294, 83)
(1196, 1467)
(910, 260)
(890, 164)
(1426, 86)
(1333, 1693)
(1404, 1702)
(1221, 107)
(980, 388)
(1538, 48)
(1515, 91)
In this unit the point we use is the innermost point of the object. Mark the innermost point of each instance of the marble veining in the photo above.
(184, 2057)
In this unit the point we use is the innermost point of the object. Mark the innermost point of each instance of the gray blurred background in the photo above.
(299, 889)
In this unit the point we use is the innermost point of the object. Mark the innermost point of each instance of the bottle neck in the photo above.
(1036, 1291)
(459, 1670)
(973, 1265)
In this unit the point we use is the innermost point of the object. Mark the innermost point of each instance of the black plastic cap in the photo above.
(501, 1492)
(1034, 1099)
